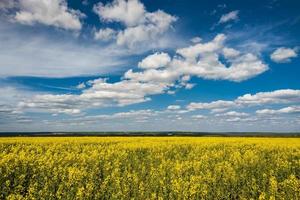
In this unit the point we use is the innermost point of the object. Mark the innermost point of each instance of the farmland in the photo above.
(149, 168)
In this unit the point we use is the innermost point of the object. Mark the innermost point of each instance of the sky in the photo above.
(149, 65)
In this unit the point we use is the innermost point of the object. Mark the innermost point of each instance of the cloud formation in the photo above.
(282, 55)
(110, 44)
(100, 94)
(196, 40)
(231, 16)
(53, 56)
(232, 114)
(284, 96)
(128, 12)
(214, 106)
(140, 25)
(15, 113)
(159, 75)
(274, 97)
(285, 110)
(203, 60)
(174, 107)
(48, 12)
(105, 34)
(155, 61)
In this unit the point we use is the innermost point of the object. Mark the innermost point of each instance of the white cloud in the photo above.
(81, 86)
(127, 120)
(155, 60)
(173, 107)
(230, 53)
(49, 12)
(283, 54)
(231, 16)
(129, 12)
(232, 114)
(192, 52)
(239, 119)
(132, 114)
(285, 110)
(59, 55)
(156, 76)
(53, 56)
(123, 93)
(9, 111)
(274, 97)
(188, 86)
(159, 74)
(202, 60)
(51, 103)
(105, 34)
(140, 25)
(196, 40)
(155, 24)
(220, 104)
(100, 94)
(285, 96)
(196, 117)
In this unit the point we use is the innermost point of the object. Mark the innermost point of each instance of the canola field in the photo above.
(149, 168)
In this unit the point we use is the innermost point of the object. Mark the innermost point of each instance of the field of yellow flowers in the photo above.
(149, 168)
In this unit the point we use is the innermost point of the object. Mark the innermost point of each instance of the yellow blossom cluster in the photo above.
(149, 168)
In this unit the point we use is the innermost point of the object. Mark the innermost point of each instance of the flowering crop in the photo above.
(149, 168)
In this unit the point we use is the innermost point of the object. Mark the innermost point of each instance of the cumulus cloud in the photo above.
(105, 34)
(239, 119)
(203, 60)
(274, 97)
(100, 94)
(154, 61)
(285, 110)
(196, 40)
(174, 107)
(159, 75)
(132, 114)
(75, 104)
(283, 54)
(51, 103)
(220, 104)
(231, 16)
(232, 114)
(155, 24)
(129, 12)
(285, 96)
(140, 25)
(49, 12)
(230, 53)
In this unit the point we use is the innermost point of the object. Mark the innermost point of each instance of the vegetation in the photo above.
(149, 168)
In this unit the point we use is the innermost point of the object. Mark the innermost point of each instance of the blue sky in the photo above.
(132, 65)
